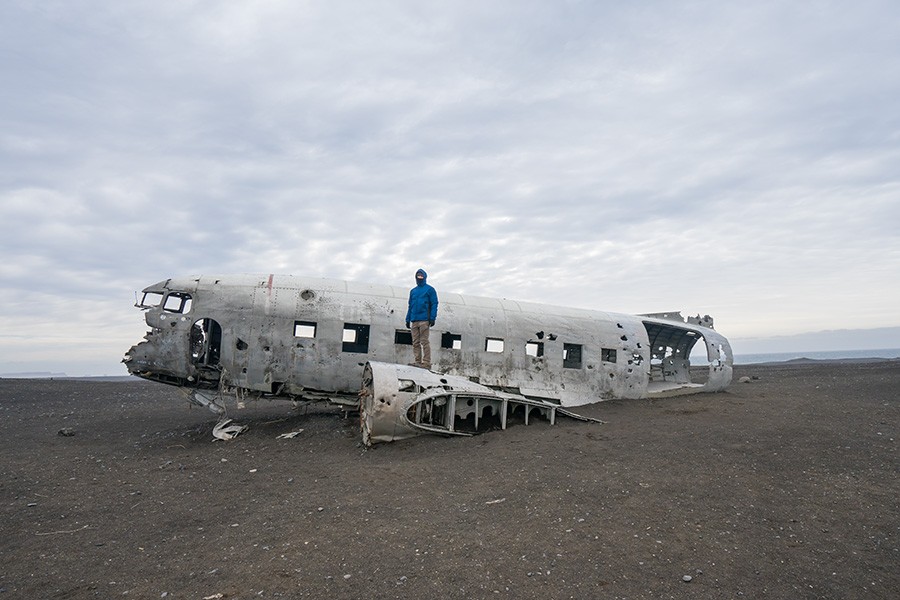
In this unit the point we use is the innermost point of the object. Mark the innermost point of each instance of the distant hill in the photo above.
(49, 375)
(836, 339)
(33, 375)
(804, 361)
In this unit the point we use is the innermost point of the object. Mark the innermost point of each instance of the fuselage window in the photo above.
(572, 356)
(304, 329)
(608, 355)
(452, 341)
(177, 302)
(493, 345)
(356, 338)
(535, 349)
(403, 337)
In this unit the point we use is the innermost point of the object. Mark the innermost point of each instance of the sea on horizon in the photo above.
(747, 359)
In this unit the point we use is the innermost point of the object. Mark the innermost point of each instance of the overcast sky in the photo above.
(737, 159)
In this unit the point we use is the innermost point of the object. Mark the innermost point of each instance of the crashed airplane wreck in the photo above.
(494, 361)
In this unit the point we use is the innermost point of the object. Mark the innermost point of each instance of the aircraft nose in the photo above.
(138, 358)
(129, 359)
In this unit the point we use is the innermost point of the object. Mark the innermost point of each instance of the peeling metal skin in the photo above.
(278, 336)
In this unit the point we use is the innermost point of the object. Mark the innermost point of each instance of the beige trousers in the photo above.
(421, 344)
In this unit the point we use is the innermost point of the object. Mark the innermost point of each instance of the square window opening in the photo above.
(572, 356)
(608, 355)
(403, 337)
(304, 329)
(535, 349)
(355, 338)
(451, 341)
(493, 345)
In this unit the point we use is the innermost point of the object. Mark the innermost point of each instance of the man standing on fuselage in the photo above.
(420, 317)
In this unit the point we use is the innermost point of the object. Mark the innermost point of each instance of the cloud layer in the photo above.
(741, 160)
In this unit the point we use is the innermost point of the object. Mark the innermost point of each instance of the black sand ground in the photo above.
(786, 487)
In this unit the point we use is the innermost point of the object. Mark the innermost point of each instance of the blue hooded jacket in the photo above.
(423, 301)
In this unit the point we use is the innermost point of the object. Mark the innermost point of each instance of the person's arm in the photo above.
(434, 305)
(408, 308)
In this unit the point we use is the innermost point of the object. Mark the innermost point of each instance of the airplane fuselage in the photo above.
(278, 335)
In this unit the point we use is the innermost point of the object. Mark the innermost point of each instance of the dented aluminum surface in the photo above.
(271, 336)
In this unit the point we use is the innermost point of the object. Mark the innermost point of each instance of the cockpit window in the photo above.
(151, 299)
(177, 302)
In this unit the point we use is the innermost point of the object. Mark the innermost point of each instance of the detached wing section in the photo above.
(399, 402)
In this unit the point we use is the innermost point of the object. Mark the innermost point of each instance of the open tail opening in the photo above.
(671, 349)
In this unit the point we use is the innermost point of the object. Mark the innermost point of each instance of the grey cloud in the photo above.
(620, 156)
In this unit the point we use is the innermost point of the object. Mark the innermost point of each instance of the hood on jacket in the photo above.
(424, 277)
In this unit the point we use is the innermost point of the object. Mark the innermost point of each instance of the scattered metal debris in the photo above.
(224, 431)
(288, 436)
(66, 531)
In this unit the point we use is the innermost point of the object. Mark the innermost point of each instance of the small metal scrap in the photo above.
(287, 436)
(224, 431)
